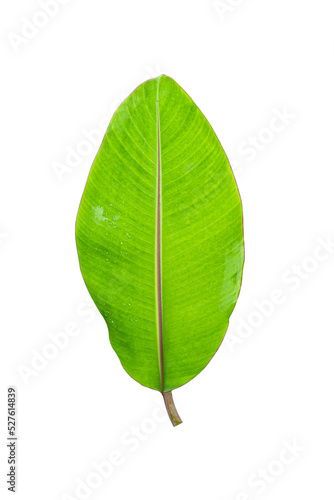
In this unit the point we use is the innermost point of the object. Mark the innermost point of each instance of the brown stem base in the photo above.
(171, 410)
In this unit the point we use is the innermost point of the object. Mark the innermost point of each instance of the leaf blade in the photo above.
(201, 245)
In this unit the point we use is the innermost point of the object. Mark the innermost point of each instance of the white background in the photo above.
(271, 383)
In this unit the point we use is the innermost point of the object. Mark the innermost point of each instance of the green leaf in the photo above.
(160, 237)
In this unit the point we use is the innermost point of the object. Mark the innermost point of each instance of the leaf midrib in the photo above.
(158, 250)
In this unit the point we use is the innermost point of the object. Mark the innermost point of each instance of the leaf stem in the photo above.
(171, 410)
